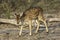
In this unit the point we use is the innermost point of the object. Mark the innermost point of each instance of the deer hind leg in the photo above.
(44, 21)
(30, 24)
(37, 26)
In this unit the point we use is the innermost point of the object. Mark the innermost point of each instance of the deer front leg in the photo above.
(30, 24)
(21, 30)
(37, 26)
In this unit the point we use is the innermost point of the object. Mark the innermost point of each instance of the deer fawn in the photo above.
(33, 13)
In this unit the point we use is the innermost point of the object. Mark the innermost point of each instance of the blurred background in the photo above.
(9, 7)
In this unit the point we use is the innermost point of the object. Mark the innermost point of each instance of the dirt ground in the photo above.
(54, 33)
(51, 9)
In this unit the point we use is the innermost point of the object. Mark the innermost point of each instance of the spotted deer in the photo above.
(33, 13)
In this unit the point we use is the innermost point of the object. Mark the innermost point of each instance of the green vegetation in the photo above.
(8, 6)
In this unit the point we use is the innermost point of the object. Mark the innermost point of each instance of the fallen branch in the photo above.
(54, 19)
(13, 21)
(10, 21)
